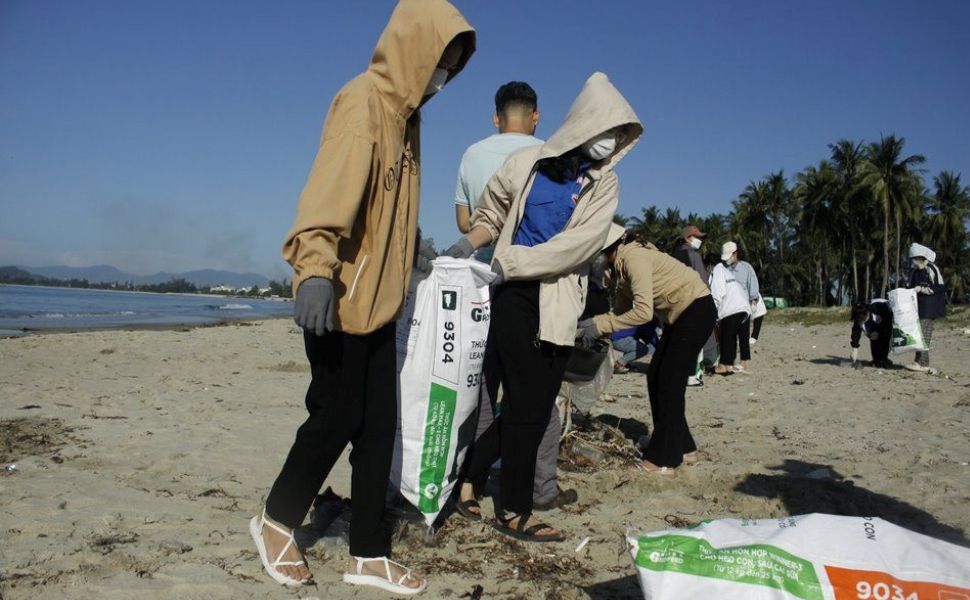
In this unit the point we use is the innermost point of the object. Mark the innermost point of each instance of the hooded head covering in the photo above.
(919, 250)
(598, 108)
(411, 47)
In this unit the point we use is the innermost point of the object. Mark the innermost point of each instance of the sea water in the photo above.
(33, 308)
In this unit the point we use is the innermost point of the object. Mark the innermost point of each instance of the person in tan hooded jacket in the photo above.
(648, 281)
(352, 247)
(548, 208)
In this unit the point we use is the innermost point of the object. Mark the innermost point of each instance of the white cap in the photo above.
(614, 234)
(728, 249)
(921, 250)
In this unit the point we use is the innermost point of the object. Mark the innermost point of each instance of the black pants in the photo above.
(531, 373)
(756, 327)
(735, 331)
(674, 361)
(352, 399)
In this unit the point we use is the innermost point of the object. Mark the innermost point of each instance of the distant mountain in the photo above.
(95, 274)
(209, 277)
(109, 274)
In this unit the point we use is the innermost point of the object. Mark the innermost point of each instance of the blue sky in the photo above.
(157, 135)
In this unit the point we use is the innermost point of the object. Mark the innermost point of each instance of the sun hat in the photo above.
(613, 235)
(692, 231)
(921, 250)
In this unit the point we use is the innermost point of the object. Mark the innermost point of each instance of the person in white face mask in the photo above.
(548, 210)
(352, 247)
(733, 311)
(688, 252)
(927, 280)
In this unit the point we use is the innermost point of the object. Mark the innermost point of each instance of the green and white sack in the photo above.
(440, 348)
(809, 557)
(907, 333)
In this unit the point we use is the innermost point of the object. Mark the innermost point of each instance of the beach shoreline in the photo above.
(141, 455)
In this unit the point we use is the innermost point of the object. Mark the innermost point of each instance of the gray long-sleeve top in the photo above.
(744, 273)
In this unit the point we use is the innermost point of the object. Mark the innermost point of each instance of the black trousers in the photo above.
(673, 362)
(735, 331)
(756, 327)
(531, 373)
(352, 399)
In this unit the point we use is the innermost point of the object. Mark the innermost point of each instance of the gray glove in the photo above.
(314, 306)
(460, 249)
(424, 256)
(587, 333)
(499, 275)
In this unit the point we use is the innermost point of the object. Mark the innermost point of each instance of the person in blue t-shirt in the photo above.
(516, 118)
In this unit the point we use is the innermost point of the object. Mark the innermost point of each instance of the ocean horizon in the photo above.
(26, 309)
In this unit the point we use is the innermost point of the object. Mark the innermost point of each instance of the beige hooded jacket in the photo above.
(562, 262)
(647, 281)
(356, 221)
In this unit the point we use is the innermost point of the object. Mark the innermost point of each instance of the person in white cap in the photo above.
(927, 280)
(733, 311)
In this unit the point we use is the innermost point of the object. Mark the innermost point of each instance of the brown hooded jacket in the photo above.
(356, 221)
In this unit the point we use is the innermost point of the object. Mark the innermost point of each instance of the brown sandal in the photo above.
(521, 532)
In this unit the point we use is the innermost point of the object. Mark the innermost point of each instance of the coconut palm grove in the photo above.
(836, 232)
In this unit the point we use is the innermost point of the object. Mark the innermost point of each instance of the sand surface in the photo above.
(142, 454)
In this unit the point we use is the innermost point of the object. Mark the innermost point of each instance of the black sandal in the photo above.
(464, 509)
(521, 532)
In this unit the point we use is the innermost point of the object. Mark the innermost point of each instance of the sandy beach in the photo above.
(141, 455)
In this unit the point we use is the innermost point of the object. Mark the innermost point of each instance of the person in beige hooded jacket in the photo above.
(549, 209)
(647, 282)
(352, 248)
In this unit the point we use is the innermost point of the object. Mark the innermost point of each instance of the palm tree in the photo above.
(892, 180)
(850, 205)
(947, 211)
(815, 190)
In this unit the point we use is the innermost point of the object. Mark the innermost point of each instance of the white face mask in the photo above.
(696, 243)
(600, 146)
(438, 80)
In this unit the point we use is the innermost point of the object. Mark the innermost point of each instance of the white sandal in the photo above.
(385, 583)
(256, 525)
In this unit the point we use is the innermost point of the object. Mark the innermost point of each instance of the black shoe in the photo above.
(565, 498)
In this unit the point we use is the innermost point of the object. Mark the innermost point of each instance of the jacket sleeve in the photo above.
(856, 334)
(570, 248)
(339, 181)
(718, 285)
(639, 271)
(753, 287)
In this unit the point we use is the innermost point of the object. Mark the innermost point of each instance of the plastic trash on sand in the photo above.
(808, 557)
(583, 394)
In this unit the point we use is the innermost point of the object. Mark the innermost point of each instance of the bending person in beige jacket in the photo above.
(549, 208)
(649, 281)
(352, 248)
